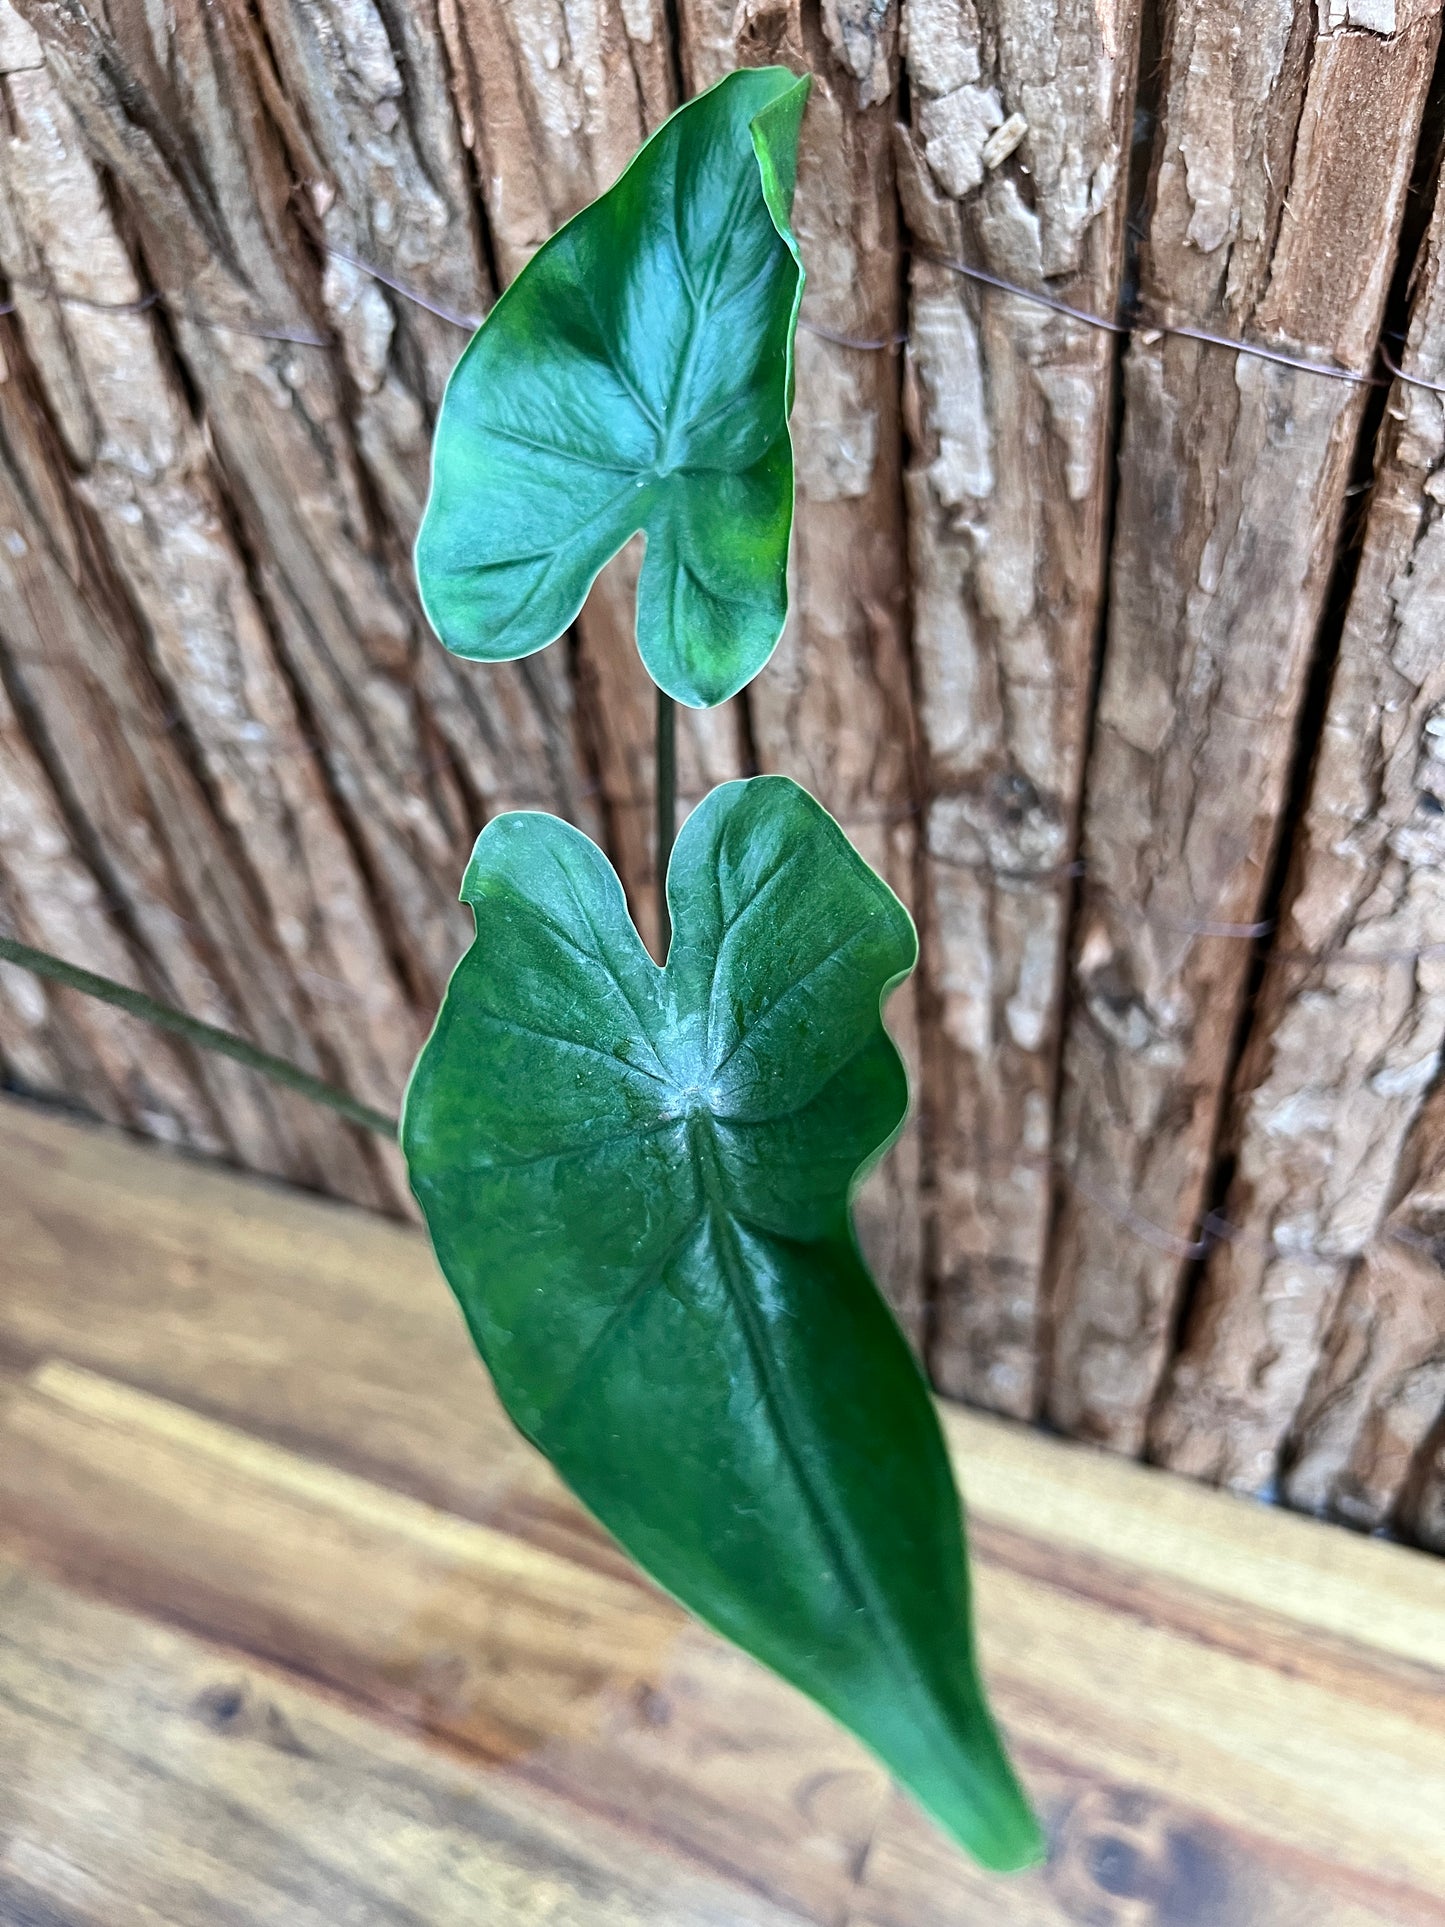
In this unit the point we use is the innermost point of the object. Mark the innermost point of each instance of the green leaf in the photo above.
(637, 1181)
(637, 374)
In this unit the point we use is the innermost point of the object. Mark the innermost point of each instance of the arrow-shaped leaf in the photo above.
(637, 1181)
(637, 374)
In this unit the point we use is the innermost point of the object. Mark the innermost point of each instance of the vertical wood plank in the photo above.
(1421, 1515)
(833, 709)
(1378, 1385)
(1017, 163)
(1341, 1051)
(366, 115)
(1286, 148)
(554, 100)
(170, 106)
(180, 111)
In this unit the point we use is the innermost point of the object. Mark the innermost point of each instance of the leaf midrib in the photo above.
(698, 306)
(789, 1429)
(676, 421)
(832, 1528)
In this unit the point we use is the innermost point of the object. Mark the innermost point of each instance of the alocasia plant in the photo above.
(638, 1177)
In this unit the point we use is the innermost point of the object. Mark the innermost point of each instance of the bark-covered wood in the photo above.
(139, 462)
(241, 244)
(1285, 151)
(365, 112)
(1379, 1381)
(138, 821)
(1017, 163)
(201, 168)
(244, 416)
(1342, 1051)
(1421, 1515)
(52, 1039)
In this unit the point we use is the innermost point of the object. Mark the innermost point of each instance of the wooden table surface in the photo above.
(294, 1629)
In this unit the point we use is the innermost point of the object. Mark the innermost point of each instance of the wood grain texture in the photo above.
(358, 1656)
(554, 100)
(1421, 1512)
(54, 1040)
(1016, 163)
(151, 1776)
(1284, 154)
(1341, 1053)
(364, 110)
(179, 121)
(240, 418)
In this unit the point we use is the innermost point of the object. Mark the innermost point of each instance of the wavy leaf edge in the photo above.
(991, 1816)
(773, 138)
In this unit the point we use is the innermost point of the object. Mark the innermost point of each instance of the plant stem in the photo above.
(666, 810)
(207, 1036)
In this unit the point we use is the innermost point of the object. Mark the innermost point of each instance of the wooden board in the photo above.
(295, 1629)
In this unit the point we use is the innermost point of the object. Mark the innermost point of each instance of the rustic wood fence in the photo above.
(1120, 649)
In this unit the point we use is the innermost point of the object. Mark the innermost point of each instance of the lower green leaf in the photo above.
(638, 1183)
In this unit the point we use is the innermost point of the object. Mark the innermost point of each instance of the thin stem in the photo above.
(666, 810)
(207, 1036)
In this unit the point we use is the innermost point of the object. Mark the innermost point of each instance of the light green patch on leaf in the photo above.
(637, 375)
(638, 1183)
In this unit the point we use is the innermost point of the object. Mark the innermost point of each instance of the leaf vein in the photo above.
(791, 990)
(567, 1043)
(561, 454)
(634, 1134)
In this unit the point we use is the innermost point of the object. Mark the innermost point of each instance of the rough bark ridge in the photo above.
(1421, 1513)
(365, 112)
(139, 461)
(833, 708)
(1340, 1053)
(133, 817)
(182, 124)
(1379, 1382)
(1017, 163)
(1284, 157)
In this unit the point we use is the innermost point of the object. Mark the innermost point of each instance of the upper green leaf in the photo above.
(638, 1180)
(636, 375)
